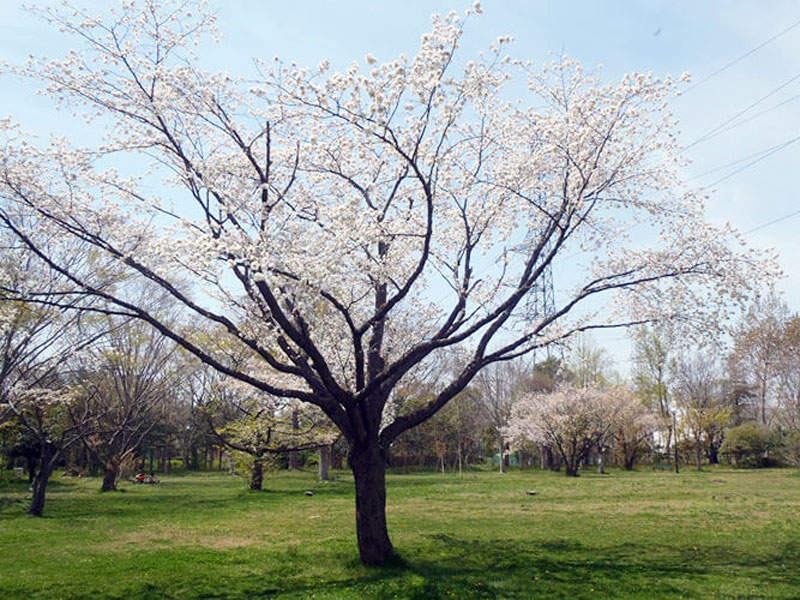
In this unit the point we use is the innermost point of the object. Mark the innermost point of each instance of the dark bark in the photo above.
(698, 455)
(293, 460)
(369, 472)
(46, 461)
(713, 453)
(324, 463)
(257, 474)
(31, 462)
(110, 473)
(630, 460)
(337, 457)
(501, 445)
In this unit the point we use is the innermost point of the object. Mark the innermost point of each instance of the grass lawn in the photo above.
(718, 533)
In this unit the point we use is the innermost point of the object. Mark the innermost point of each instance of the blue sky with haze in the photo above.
(666, 37)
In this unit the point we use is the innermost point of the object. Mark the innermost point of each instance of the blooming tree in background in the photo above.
(573, 421)
(37, 338)
(635, 426)
(347, 227)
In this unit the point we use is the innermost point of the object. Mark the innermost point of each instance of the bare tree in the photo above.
(126, 379)
(653, 348)
(700, 394)
(498, 385)
(758, 350)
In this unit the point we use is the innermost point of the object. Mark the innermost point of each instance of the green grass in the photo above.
(716, 534)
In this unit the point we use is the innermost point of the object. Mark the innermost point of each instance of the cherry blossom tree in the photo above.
(348, 226)
(36, 340)
(572, 420)
(788, 414)
(634, 428)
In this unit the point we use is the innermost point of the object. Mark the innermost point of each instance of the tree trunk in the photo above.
(369, 472)
(668, 444)
(109, 477)
(31, 462)
(675, 441)
(337, 457)
(698, 454)
(324, 462)
(572, 463)
(46, 462)
(501, 444)
(713, 452)
(293, 459)
(630, 460)
(257, 474)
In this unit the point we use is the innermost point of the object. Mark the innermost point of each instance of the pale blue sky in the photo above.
(666, 37)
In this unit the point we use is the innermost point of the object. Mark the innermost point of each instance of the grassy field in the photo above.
(637, 535)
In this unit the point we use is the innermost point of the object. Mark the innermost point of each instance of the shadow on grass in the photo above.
(453, 567)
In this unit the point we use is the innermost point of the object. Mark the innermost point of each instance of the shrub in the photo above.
(748, 446)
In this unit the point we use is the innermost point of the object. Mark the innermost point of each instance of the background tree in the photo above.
(653, 347)
(260, 426)
(36, 338)
(572, 420)
(634, 428)
(747, 445)
(702, 400)
(589, 364)
(788, 395)
(758, 348)
(320, 212)
(497, 386)
(126, 379)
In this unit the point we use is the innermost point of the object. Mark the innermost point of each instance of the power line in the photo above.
(773, 222)
(755, 116)
(715, 130)
(742, 57)
(733, 162)
(774, 149)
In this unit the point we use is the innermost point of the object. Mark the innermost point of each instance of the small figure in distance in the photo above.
(140, 477)
(152, 478)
